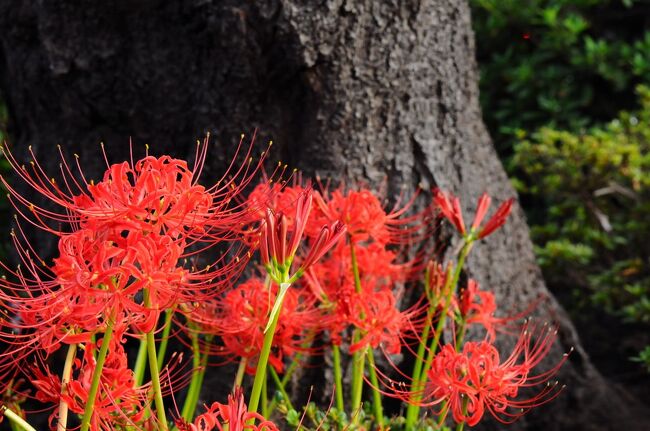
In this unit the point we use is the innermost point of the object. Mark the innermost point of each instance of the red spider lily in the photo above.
(497, 220)
(380, 321)
(478, 307)
(437, 281)
(366, 219)
(118, 402)
(233, 416)
(154, 194)
(278, 250)
(274, 242)
(241, 317)
(378, 269)
(100, 272)
(373, 309)
(476, 379)
(131, 233)
(449, 206)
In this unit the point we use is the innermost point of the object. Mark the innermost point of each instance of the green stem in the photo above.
(433, 305)
(358, 357)
(260, 372)
(140, 363)
(16, 420)
(460, 335)
(280, 387)
(155, 379)
(162, 348)
(443, 317)
(376, 396)
(285, 380)
(97, 374)
(419, 382)
(239, 377)
(338, 378)
(199, 384)
(153, 370)
(65, 378)
(198, 368)
(358, 365)
(265, 391)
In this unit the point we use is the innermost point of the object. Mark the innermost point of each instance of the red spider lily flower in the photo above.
(278, 250)
(153, 194)
(274, 242)
(329, 236)
(118, 403)
(131, 233)
(378, 269)
(481, 210)
(241, 317)
(449, 206)
(332, 282)
(497, 220)
(366, 219)
(476, 379)
(380, 321)
(233, 416)
(437, 279)
(478, 307)
(101, 272)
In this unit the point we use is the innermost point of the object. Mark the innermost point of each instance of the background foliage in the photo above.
(558, 82)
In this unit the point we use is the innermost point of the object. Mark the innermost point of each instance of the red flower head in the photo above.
(476, 379)
(380, 321)
(126, 255)
(367, 220)
(154, 194)
(332, 282)
(449, 206)
(478, 307)
(278, 249)
(242, 315)
(497, 220)
(436, 281)
(118, 402)
(233, 416)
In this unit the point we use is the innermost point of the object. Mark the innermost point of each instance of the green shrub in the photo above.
(595, 188)
(560, 63)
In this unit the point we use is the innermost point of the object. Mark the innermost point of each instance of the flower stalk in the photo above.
(97, 375)
(65, 379)
(154, 370)
(15, 419)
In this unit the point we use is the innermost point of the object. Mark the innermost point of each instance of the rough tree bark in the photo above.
(352, 89)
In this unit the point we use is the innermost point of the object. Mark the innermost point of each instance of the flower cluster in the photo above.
(233, 416)
(122, 264)
(476, 380)
(341, 276)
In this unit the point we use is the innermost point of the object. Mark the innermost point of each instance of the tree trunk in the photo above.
(361, 90)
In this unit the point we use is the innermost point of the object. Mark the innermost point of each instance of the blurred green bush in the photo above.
(595, 188)
(554, 73)
(558, 63)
